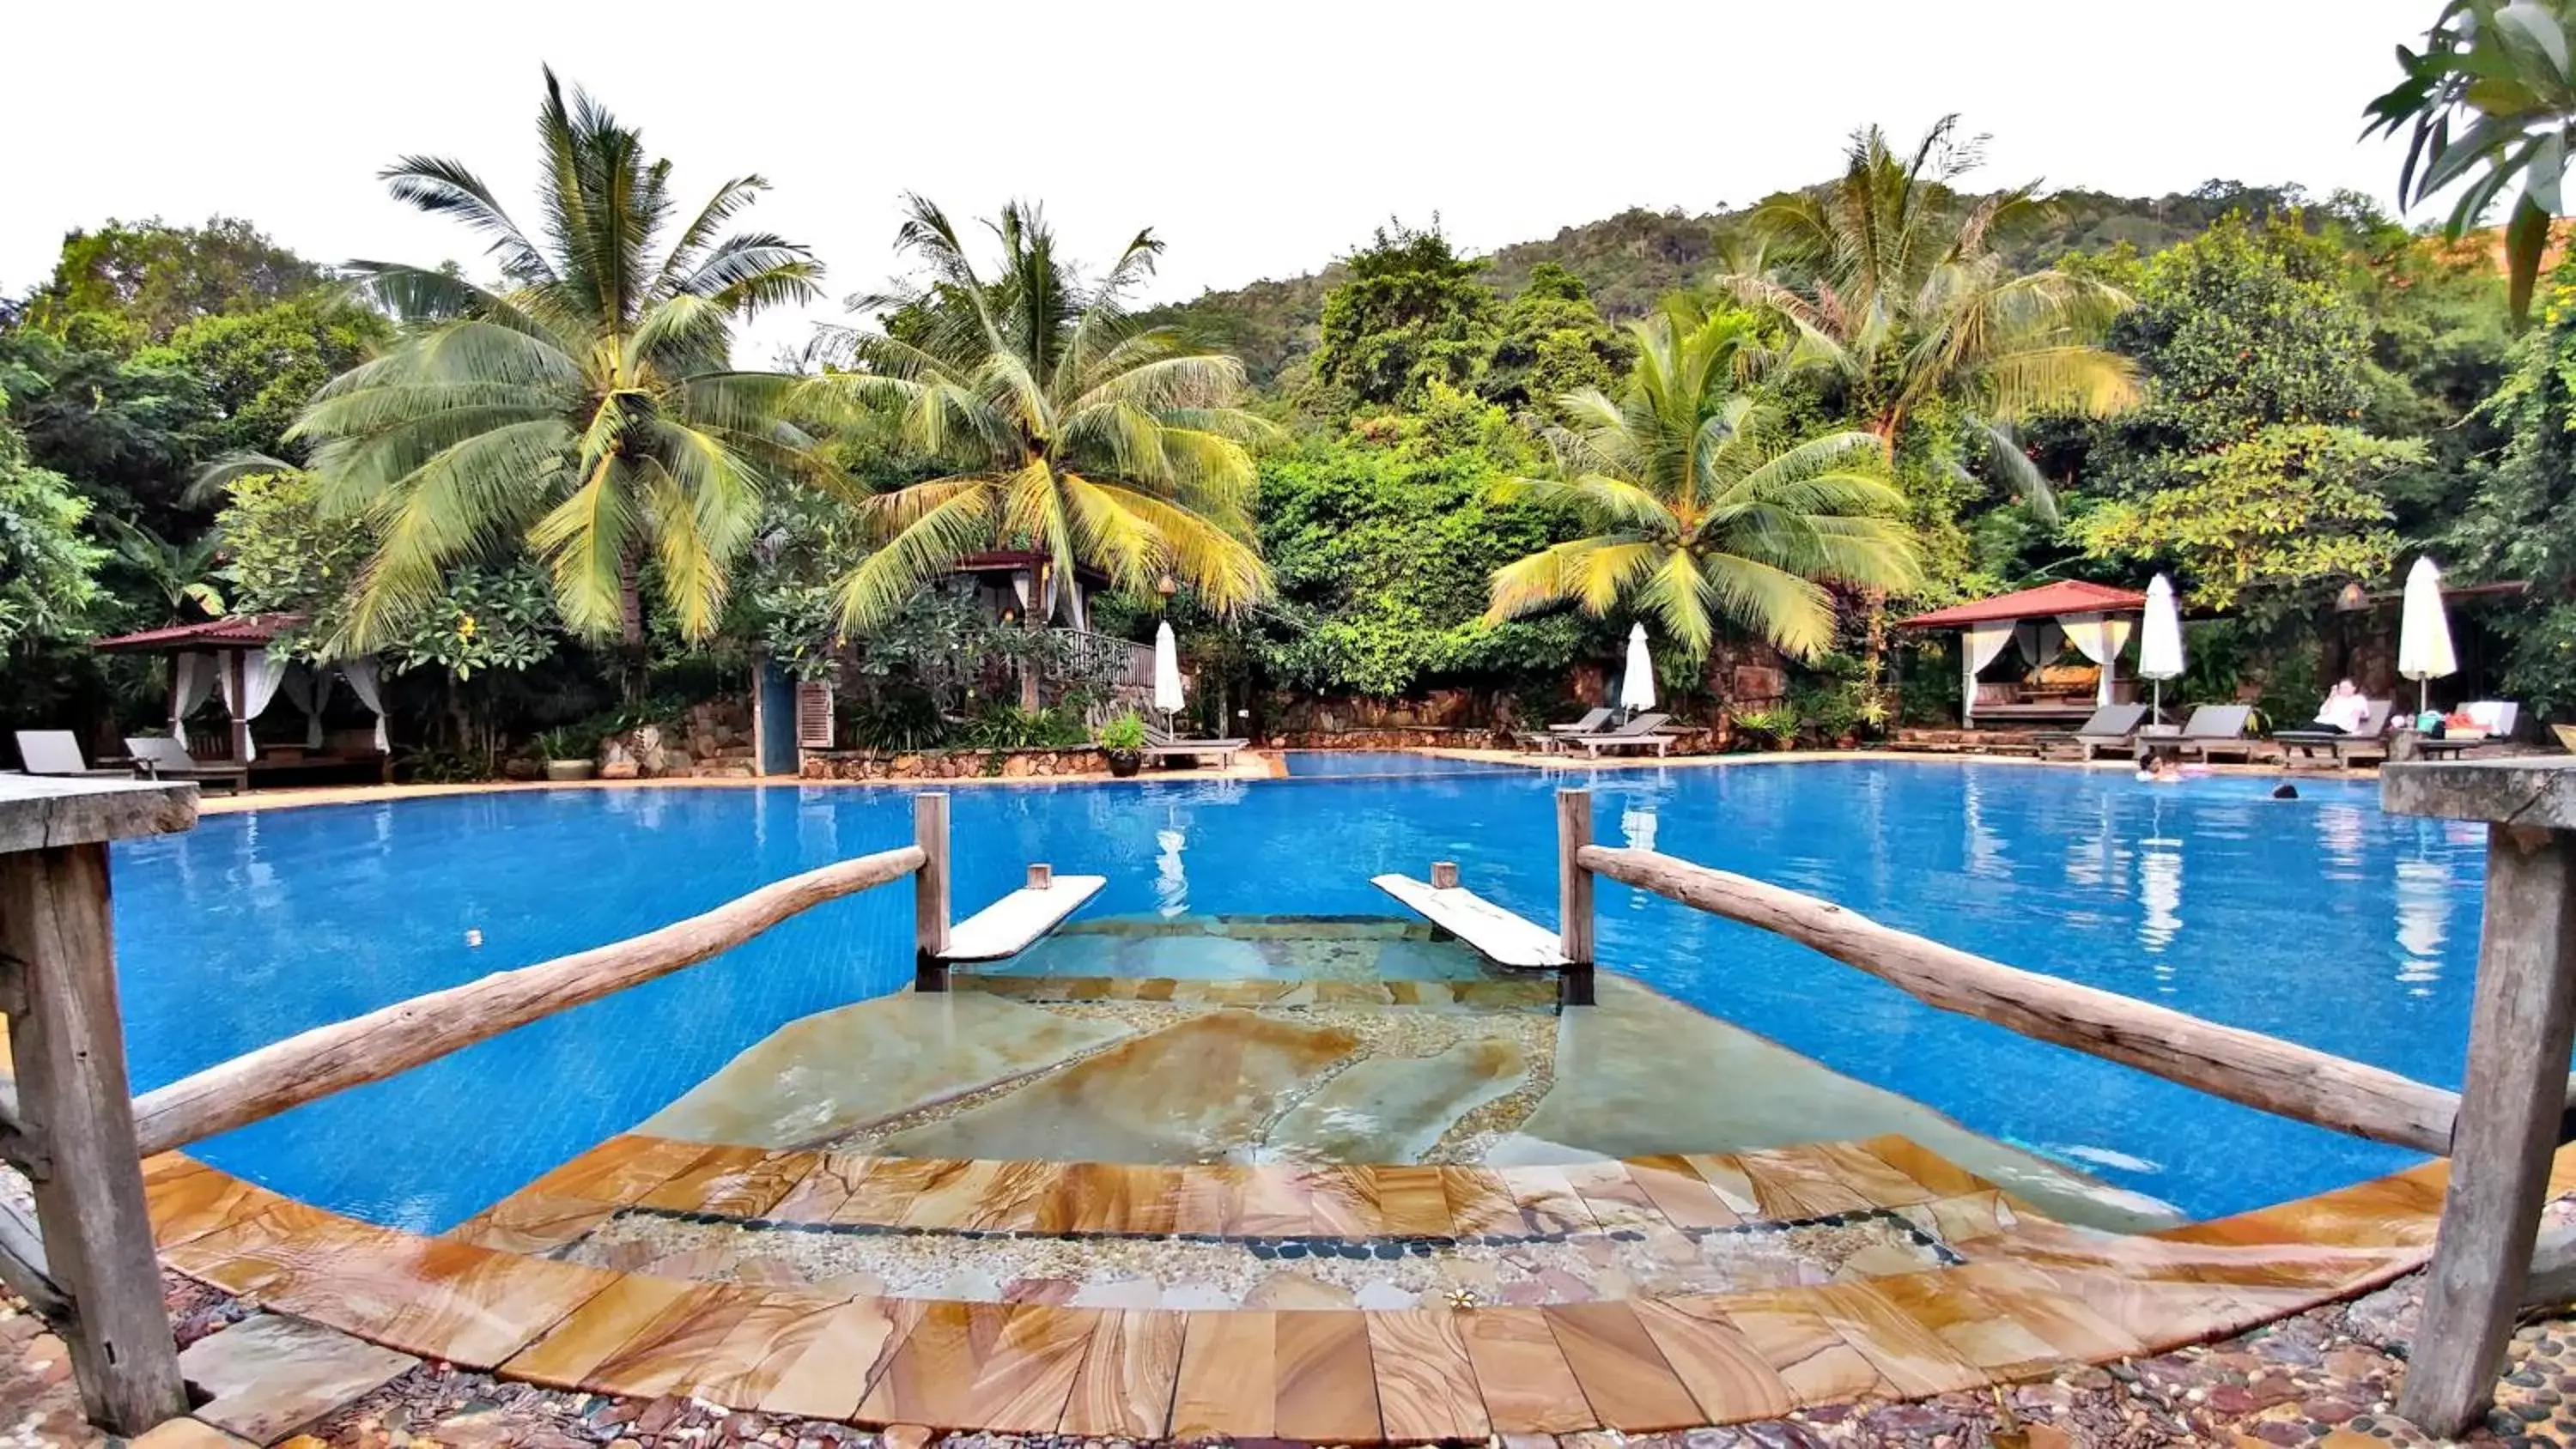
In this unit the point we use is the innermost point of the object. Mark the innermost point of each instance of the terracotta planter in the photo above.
(1124, 763)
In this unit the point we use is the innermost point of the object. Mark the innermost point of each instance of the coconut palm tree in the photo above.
(583, 407)
(1059, 424)
(1697, 506)
(1905, 304)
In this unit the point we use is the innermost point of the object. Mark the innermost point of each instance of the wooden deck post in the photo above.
(2521, 1024)
(75, 1134)
(930, 891)
(1574, 896)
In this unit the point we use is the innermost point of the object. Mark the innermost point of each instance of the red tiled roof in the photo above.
(2046, 601)
(240, 632)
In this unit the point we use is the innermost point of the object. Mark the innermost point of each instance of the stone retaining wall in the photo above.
(949, 764)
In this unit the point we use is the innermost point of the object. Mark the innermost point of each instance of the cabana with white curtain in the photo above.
(228, 661)
(2038, 624)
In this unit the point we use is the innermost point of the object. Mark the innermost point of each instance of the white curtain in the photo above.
(2039, 640)
(305, 689)
(261, 674)
(194, 679)
(2100, 638)
(361, 674)
(1979, 646)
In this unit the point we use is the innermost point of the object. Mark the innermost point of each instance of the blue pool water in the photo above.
(2318, 919)
(1384, 764)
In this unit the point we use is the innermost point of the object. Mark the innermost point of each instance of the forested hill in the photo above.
(1630, 260)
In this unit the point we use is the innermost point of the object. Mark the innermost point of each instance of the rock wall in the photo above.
(950, 764)
(710, 740)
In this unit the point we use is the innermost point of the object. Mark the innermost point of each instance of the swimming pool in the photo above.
(2318, 919)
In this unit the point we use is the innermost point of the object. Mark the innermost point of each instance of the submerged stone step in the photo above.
(1533, 995)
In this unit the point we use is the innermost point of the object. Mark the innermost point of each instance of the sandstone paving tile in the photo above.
(621, 1170)
(1411, 1201)
(1969, 1324)
(1274, 1203)
(685, 1191)
(1227, 1385)
(1727, 1178)
(761, 1347)
(1326, 1385)
(1681, 1194)
(1124, 1387)
(1426, 1385)
(2160, 1314)
(532, 1223)
(1816, 1363)
(1527, 1385)
(1547, 1200)
(1013, 1198)
(1790, 1185)
(165, 1166)
(1910, 1356)
(841, 1360)
(1872, 1176)
(2065, 1323)
(267, 1376)
(886, 1193)
(279, 1241)
(1964, 1219)
(1210, 1199)
(2400, 1211)
(664, 1356)
(565, 1356)
(1480, 1202)
(1612, 1196)
(824, 1190)
(186, 1205)
(468, 1305)
(1007, 1367)
(1342, 1201)
(1623, 1374)
(753, 1191)
(2326, 1270)
(949, 1196)
(1727, 1376)
(1937, 1174)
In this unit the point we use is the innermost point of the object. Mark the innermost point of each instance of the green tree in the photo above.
(1410, 312)
(1899, 304)
(1057, 424)
(1553, 341)
(2294, 504)
(137, 283)
(48, 571)
(2490, 99)
(259, 368)
(1697, 508)
(122, 429)
(2521, 523)
(585, 406)
(2245, 327)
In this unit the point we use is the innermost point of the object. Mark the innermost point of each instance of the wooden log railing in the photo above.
(397, 1038)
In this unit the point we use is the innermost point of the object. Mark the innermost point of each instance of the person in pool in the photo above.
(2161, 770)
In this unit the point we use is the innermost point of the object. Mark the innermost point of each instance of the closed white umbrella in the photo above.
(2424, 633)
(1637, 690)
(2160, 640)
(1167, 670)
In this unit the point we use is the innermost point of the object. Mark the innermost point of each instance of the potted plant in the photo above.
(567, 753)
(1122, 744)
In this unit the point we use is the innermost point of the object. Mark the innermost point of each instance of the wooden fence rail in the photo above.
(2258, 1071)
(397, 1038)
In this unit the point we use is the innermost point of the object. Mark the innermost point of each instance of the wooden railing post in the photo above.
(1574, 918)
(930, 891)
(2522, 1022)
(75, 1134)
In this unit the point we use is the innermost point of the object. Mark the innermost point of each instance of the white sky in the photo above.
(1258, 140)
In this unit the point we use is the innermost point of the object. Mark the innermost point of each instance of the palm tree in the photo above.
(1060, 425)
(1698, 507)
(1906, 304)
(583, 408)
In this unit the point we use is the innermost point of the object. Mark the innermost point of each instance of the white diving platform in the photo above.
(1019, 920)
(1495, 933)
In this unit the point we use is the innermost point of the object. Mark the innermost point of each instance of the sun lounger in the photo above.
(158, 757)
(2213, 730)
(58, 752)
(1592, 723)
(1163, 744)
(2368, 743)
(1641, 733)
(2113, 727)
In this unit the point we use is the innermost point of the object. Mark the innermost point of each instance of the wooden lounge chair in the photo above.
(1642, 732)
(2369, 742)
(1592, 723)
(58, 752)
(2213, 730)
(2113, 727)
(1163, 745)
(158, 757)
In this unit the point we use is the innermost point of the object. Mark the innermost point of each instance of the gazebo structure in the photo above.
(2039, 623)
(228, 661)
